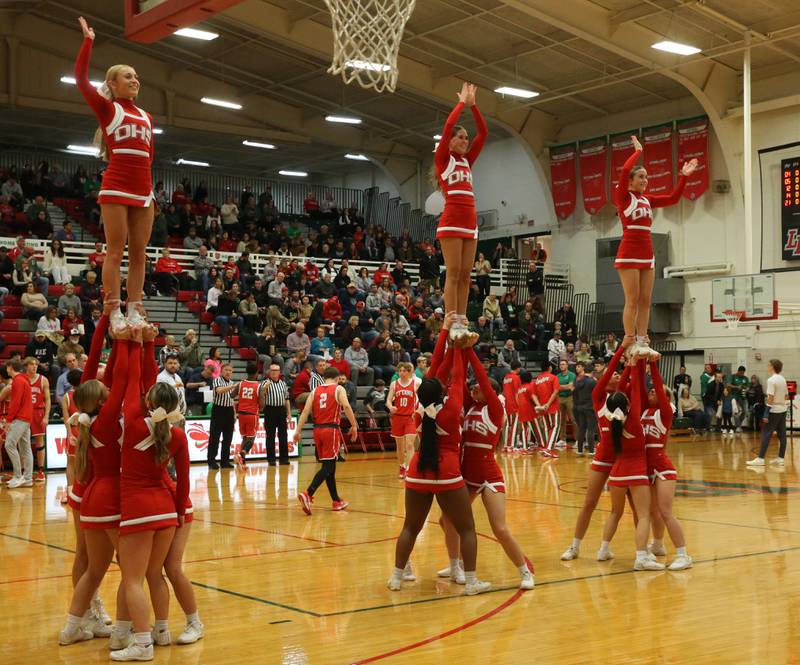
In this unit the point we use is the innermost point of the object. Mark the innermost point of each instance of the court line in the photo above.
(37, 542)
(409, 647)
(36, 579)
(263, 601)
(272, 531)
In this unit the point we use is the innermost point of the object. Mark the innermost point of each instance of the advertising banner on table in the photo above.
(693, 144)
(197, 432)
(621, 147)
(563, 178)
(593, 160)
(657, 144)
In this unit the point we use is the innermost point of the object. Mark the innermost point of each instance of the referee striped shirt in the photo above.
(316, 380)
(275, 392)
(222, 399)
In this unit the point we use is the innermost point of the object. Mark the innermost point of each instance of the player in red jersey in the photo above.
(548, 413)
(526, 412)
(656, 423)
(629, 473)
(125, 139)
(635, 260)
(458, 226)
(401, 401)
(483, 427)
(325, 404)
(250, 397)
(511, 384)
(435, 469)
(40, 396)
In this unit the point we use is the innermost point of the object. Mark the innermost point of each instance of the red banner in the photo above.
(693, 144)
(621, 148)
(593, 160)
(563, 179)
(657, 143)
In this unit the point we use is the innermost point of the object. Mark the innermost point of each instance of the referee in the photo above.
(277, 414)
(223, 419)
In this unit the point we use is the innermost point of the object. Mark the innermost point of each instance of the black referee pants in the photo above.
(275, 424)
(223, 420)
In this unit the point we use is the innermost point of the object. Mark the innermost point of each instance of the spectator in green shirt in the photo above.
(739, 385)
(566, 380)
(705, 378)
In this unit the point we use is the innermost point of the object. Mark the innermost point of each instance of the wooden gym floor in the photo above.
(276, 586)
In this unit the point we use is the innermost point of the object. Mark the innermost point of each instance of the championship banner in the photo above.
(693, 144)
(593, 162)
(197, 432)
(657, 144)
(621, 148)
(563, 179)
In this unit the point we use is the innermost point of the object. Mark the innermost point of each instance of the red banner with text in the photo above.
(563, 179)
(657, 144)
(593, 159)
(693, 144)
(621, 148)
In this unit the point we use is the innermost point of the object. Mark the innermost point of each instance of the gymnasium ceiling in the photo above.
(588, 59)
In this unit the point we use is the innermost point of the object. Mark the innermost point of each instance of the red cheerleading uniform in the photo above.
(128, 134)
(459, 219)
(405, 401)
(636, 214)
(172, 486)
(248, 407)
(72, 430)
(146, 503)
(511, 384)
(448, 424)
(37, 399)
(482, 430)
(327, 414)
(656, 423)
(630, 466)
(604, 454)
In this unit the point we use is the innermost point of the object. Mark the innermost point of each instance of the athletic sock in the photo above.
(471, 576)
(658, 542)
(454, 563)
(523, 569)
(73, 622)
(194, 617)
(604, 545)
(641, 554)
(123, 626)
(397, 573)
(576, 543)
(161, 625)
(680, 551)
(143, 639)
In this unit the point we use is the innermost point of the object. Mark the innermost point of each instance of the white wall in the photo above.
(369, 176)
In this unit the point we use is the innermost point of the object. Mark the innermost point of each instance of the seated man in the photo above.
(167, 273)
(200, 378)
(360, 371)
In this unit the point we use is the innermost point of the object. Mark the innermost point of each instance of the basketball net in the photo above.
(732, 318)
(366, 40)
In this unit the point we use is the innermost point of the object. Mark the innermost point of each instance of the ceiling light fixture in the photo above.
(347, 120)
(356, 157)
(202, 35)
(256, 144)
(675, 47)
(71, 81)
(83, 150)
(366, 64)
(190, 162)
(294, 174)
(437, 137)
(221, 102)
(516, 92)
(158, 130)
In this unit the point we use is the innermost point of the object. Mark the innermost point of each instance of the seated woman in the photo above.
(34, 304)
(691, 408)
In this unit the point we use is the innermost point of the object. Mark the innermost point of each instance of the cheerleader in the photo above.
(69, 412)
(629, 472)
(458, 226)
(635, 260)
(435, 469)
(656, 423)
(125, 140)
(402, 404)
(483, 426)
(604, 455)
(150, 513)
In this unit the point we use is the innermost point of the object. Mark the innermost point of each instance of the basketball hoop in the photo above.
(732, 318)
(366, 40)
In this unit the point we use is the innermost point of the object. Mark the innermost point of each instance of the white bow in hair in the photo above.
(84, 419)
(105, 91)
(161, 414)
(432, 410)
(617, 414)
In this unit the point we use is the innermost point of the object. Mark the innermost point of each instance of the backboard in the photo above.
(752, 294)
(148, 21)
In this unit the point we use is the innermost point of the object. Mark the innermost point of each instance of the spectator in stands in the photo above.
(380, 360)
(70, 345)
(248, 309)
(34, 304)
(179, 197)
(610, 346)
(566, 317)
(189, 354)
(275, 288)
(399, 274)
(21, 276)
(192, 240)
(491, 310)
(65, 234)
(712, 398)
(755, 403)
(267, 349)
(599, 368)
(374, 300)
(41, 226)
(228, 312)
(375, 399)
(55, 263)
(311, 205)
(72, 322)
(566, 380)
(531, 321)
(363, 282)
(360, 371)
(301, 386)
(400, 325)
(293, 367)
(681, 379)
(230, 214)
(201, 377)
(325, 288)
(213, 295)
(328, 206)
(246, 273)
(584, 355)
(483, 328)
(43, 350)
(35, 208)
(689, 407)
(398, 354)
(555, 347)
(508, 312)
(67, 363)
(342, 278)
(90, 325)
(168, 273)
(508, 356)
(17, 250)
(483, 271)
(739, 384)
(214, 361)
(171, 376)
(382, 273)
(570, 356)
(69, 300)
(90, 292)
(12, 191)
(170, 348)
(6, 273)
(298, 340)
(322, 345)
(7, 212)
(51, 325)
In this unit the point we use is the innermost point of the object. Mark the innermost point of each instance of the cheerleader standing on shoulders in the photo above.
(458, 226)
(635, 260)
(125, 140)
(402, 404)
(150, 512)
(629, 473)
(483, 426)
(656, 422)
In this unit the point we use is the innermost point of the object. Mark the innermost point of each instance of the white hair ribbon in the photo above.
(105, 91)
(617, 414)
(160, 414)
(84, 419)
(432, 410)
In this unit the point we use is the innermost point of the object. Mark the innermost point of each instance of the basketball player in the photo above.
(511, 384)
(635, 260)
(482, 430)
(250, 398)
(325, 403)
(526, 413)
(548, 412)
(125, 140)
(402, 404)
(458, 226)
(40, 396)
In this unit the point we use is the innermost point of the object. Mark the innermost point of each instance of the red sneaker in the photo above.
(39, 477)
(305, 502)
(549, 453)
(340, 505)
(402, 473)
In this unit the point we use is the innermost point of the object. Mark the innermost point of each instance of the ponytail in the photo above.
(164, 396)
(617, 427)
(429, 392)
(82, 451)
(617, 405)
(162, 435)
(87, 398)
(99, 140)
